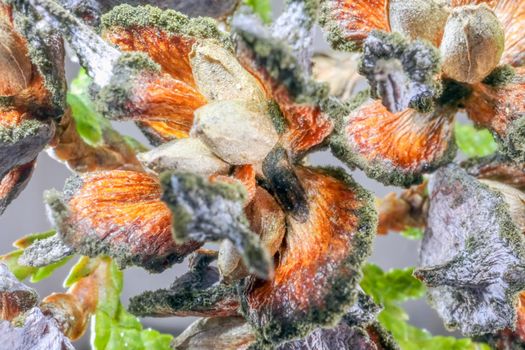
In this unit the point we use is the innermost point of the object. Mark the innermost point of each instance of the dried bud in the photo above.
(418, 19)
(15, 65)
(218, 125)
(188, 154)
(472, 44)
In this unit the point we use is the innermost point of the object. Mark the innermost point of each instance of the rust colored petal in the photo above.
(69, 147)
(501, 109)
(118, 213)
(297, 112)
(14, 182)
(497, 168)
(318, 265)
(395, 148)
(397, 212)
(511, 14)
(348, 22)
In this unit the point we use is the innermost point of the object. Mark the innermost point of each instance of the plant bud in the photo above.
(15, 65)
(235, 131)
(188, 155)
(418, 19)
(472, 44)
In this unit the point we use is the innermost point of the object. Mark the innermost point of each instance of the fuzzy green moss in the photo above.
(172, 22)
(500, 76)
(336, 36)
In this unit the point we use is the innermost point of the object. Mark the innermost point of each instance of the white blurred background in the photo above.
(27, 215)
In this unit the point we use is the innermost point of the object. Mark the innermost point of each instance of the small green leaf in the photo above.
(27, 240)
(413, 233)
(262, 8)
(474, 142)
(22, 272)
(88, 126)
(113, 328)
(82, 268)
(46, 271)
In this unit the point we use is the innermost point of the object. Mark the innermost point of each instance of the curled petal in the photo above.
(118, 213)
(196, 293)
(497, 168)
(395, 148)
(348, 22)
(14, 182)
(474, 270)
(501, 109)
(318, 265)
(297, 112)
(212, 211)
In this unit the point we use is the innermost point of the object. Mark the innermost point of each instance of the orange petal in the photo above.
(118, 213)
(501, 109)
(318, 266)
(511, 14)
(348, 22)
(297, 113)
(395, 148)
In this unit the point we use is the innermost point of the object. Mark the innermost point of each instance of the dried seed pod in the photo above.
(296, 111)
(15, 64)
(219, 76)
(118, 213)
(213, 211)
(472, 44)
(423, 142)
(474, 271)
(418, 19)
(186, 155)
(15, 297)
(37, 332)
(400, 72)
(322, 254)
(237, 132)
(225, 333)
(511, 14)
(196, 293)
(348, 22)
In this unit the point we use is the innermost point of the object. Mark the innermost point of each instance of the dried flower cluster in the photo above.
(232, 108)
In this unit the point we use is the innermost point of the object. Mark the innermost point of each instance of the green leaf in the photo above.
(413, 233)
(474, 142)
(46, 271)
(398, 285)
(112, 327)
(262, 8)
(22, 272)
(82, 268)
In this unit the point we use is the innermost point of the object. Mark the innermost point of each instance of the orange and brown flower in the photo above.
(118, 213)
